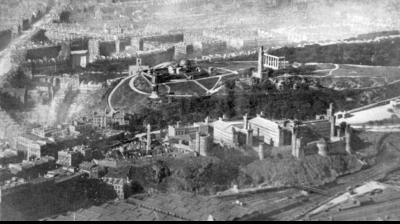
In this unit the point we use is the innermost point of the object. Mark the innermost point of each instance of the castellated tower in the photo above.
(202, 144)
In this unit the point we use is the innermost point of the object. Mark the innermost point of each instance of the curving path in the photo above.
(337, 67)
(133, 78)
(133, 87)
(112, 109)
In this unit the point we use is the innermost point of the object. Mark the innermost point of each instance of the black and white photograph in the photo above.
(199, 110)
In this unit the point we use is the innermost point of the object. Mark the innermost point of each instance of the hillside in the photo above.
(312, 171)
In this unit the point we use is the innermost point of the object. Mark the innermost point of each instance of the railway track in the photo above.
(367, 212)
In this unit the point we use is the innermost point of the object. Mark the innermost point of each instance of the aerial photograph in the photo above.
(199, 110)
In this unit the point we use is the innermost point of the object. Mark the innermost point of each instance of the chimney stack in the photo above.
(148, 147)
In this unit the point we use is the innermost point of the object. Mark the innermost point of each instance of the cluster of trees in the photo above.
(299, 104)
(382, 53)
(301, 70)
(18, 79)
(65, 17)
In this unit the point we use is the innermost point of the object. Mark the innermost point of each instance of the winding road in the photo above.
(110, 96)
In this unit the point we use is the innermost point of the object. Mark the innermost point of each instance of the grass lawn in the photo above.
(209, 83)
(128, 100)
(187, 88)
(392, 73)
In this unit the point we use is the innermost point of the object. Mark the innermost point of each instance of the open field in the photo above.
(234, 66)
(356, 76)
(391, 73)
(360, 71)
(209, 83)
(187, 88)
(322, 66)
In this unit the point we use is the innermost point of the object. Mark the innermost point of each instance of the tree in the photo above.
(65, 17)
(19, 79)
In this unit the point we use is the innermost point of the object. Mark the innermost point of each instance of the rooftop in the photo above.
(31, 137)
(7, 154)
(227, 124)
(79, 52)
